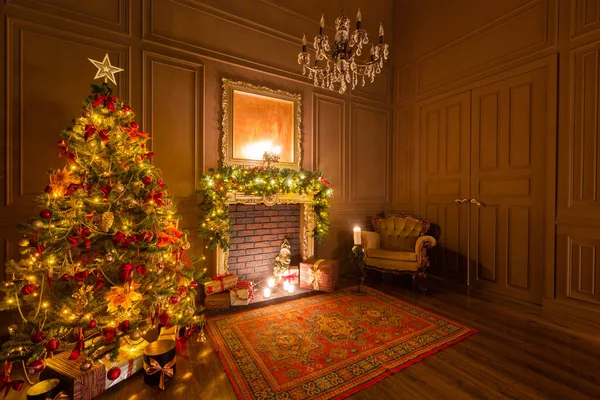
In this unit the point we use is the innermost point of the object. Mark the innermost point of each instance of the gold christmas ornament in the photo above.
(105, 69)
(188, 312)
(119, 188)
(108, 258)
(185, 245)
(24, 242)
(135, 335)
(86, 365)
(37, 224)
(107, 220)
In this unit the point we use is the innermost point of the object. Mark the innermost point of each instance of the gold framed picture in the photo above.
(259, 121)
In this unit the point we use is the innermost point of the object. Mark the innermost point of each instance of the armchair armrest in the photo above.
(423, 243)
(370, 240)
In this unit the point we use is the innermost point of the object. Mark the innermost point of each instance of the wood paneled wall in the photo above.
(175, 53)
(476, 43)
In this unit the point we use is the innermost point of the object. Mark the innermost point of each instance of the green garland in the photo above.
(258, 181)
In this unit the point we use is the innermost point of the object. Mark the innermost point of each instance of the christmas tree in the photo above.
(105, 260)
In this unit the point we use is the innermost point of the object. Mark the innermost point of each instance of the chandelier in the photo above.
(338, 64)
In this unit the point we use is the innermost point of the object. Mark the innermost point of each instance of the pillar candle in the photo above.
(267, 293)
(271, 282)
(357, 239)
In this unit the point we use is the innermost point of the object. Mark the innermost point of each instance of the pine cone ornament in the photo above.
(107, 220)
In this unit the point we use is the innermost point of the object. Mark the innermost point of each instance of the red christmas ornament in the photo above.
(30, 288)
(113, 373)
(52, 345)
(38, 337)
(92, 324)
(146, 180)
(126, 108)
(174, 299)
(46, 214)
(134, 125)
(36, 366)
(193, 285)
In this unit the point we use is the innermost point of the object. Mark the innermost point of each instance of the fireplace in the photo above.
(259, 226)
(257, 233)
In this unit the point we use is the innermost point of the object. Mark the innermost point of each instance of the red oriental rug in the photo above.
(328, 346)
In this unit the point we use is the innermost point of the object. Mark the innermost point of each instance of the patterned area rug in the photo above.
(328, 346)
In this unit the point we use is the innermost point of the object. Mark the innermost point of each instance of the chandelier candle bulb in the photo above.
(358, 18)
(304, 43)
(357, 238)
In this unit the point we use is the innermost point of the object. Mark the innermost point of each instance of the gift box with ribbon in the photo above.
(129, 361)
(319, 274)
(241, 294)
(220, 283)
(160, 362)
(80, 385)
(292, 275)
(48, 389)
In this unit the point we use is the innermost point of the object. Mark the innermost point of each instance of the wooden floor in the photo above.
(521, 352)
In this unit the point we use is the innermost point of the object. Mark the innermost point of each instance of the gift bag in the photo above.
(159, 362)
(319, 274)
(241, 294)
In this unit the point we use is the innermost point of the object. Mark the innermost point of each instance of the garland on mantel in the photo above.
(259, 181)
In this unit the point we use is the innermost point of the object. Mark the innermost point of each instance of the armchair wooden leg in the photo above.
(414, 281)
(422, 275)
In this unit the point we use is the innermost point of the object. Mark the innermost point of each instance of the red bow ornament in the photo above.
(79, 346)
(108, 101)
(181, 342)
(108, 334)
(90, 130)
(82, 235)
(5, 383)
(120, 239)
(134, 134)
(64, 151)
(156, 197)
(127, 271)
(79, 276)
(106, 190)
(72, 188)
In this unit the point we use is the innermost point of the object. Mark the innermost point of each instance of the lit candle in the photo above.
(372, 52)
(271, 282)
(357, 239)
(358, 18)
(286, 285)
(381, 32)
(267, 293)
(322, 24)
(304, 43)
(291, 288)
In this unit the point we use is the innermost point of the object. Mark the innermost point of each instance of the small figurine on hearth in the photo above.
(282, 261)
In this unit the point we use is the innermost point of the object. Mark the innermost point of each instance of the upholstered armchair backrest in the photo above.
(400, 233)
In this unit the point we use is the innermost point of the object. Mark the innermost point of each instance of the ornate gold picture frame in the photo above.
(257, 119)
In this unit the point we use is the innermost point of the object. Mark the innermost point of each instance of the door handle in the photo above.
(460, 201)
(474, 201)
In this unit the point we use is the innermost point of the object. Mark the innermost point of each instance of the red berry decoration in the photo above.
(36, 366)
(193, 285)
(113, 373)
(38, 337)
(46, 214)
(30, 288)
(174, 299)
(52, 345)
(92, 324)
(146, 180)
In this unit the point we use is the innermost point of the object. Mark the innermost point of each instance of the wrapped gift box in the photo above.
(80, 385)
(86, 385)
(217, 301)
(169, 333)
(292, 275)
(219, 284)
(319, 274)
(130, 361)
(241, 294)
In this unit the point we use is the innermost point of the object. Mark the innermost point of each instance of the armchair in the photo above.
(399, 245)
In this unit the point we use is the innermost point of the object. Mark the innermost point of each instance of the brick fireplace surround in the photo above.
(258, 231)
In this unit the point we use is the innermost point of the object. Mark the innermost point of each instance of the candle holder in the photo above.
(357, 257)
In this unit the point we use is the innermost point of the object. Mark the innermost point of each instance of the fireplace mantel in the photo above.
(307, 220)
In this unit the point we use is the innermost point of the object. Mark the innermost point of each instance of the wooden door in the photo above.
(507, 186)
(445, 138)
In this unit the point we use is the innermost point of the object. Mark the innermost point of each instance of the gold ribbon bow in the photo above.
(60, 396)
(166, 370)
(314, 273)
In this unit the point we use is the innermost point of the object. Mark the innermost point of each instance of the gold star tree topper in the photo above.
(105, 69)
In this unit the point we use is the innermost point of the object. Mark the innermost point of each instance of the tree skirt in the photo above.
(328, 346)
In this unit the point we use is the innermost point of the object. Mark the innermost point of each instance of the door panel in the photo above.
(507, 179)
(445, 137)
